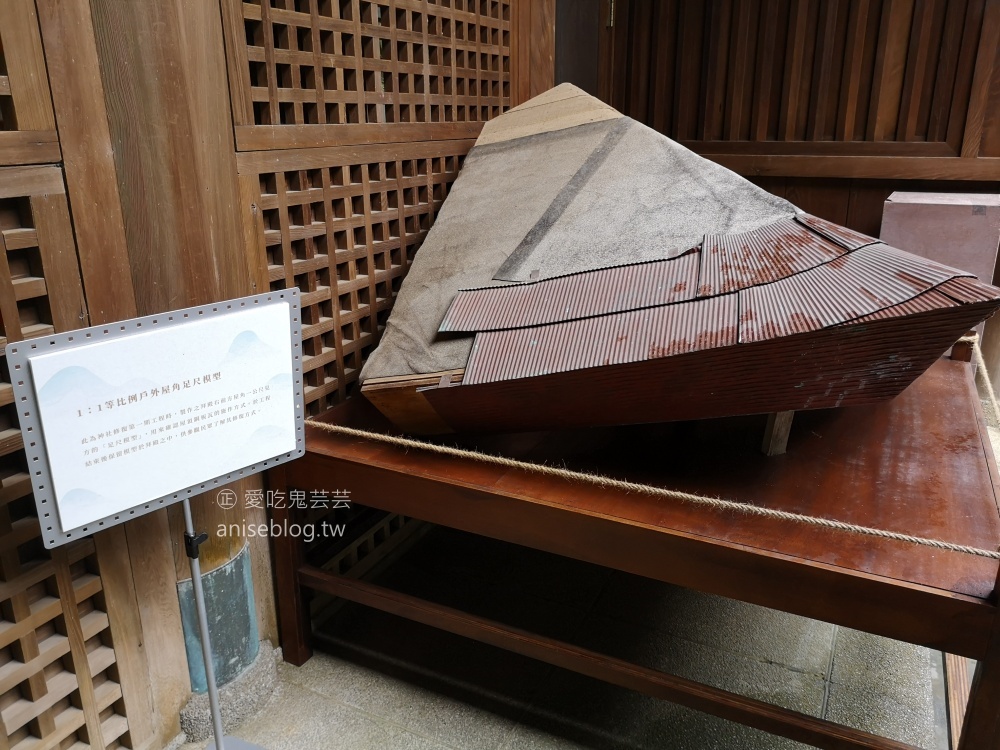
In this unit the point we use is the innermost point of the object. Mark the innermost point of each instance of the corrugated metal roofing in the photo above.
(620, 338)
(583, 295)
(926, 302)
(859, 283)
(843, 236)
(736, 261)
(968, 290)
(786, 278)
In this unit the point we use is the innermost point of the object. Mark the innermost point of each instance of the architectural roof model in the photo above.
(586, 270)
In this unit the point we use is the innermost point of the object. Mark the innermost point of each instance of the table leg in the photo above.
(981, 728)
(293, 613)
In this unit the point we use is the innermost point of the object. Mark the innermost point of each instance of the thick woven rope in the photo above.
(716, 503)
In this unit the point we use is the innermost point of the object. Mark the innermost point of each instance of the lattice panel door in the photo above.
(344, 227)
(396, 64)
(27, 124)
(59, 685)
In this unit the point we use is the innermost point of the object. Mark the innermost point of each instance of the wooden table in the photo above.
(920, 464)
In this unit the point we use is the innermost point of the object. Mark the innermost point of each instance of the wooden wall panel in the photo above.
(61, 681)
(532, 49)
(27, 126)
(847, 88)
(857, 203)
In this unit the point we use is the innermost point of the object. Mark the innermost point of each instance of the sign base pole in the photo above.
(192, 542)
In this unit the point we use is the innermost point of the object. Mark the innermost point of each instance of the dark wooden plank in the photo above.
(741, 69)
(821, 197)
(91, 178)
(29, 147)
(78, 648)
(926, 28)
(821, 148)
(798, 63)
(665, 59)
(957, 688)
(894, 37)
(265, 137)
(947, 68)
(981, 727)
(25, 71)
(986, 61)
(716, 67)
(687, 102)
(966, 67)
(640, 61)
(829, 61)
(543, 46)
(313, 158)
(722, 703)
(864, 212)
(770, 66)
(59, 262)
(237, 61)
(293, 612)
(9, 317)
(856, 42)
(873, 167)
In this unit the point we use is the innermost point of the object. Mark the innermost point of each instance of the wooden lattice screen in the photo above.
(395, 65)
(59, 681)
(412, 81)
(344, 227)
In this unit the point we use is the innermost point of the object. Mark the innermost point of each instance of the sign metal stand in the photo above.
(192, 543)
(118, 421)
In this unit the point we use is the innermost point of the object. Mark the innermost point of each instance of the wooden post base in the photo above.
(779, 425)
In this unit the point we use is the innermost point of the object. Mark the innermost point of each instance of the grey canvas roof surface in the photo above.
(560, 185)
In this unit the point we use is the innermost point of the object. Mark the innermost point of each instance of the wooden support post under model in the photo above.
(779, 425)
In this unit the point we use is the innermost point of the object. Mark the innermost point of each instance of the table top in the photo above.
(919, 464)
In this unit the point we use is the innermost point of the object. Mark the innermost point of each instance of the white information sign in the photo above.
(123, 419)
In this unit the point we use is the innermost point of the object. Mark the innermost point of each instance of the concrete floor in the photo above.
(383, 683)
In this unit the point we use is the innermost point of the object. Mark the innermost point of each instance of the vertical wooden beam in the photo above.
(796, 75)
(986, 60)
(78, 98)
(767, 89)
(134, 673)
(690, 21)
(664, 78)
(779, 426)
(542, 45)
(887, 88)
(91, 182)
(293, 614)
(956, 687)
(26, 76)
(238, 63)
(850, 86)
(78, 648)
(168, 107)
(981, 728)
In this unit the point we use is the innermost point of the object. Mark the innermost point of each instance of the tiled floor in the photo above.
(383, 683)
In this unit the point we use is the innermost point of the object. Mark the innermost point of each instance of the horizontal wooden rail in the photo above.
(721, 703)
(867, 167)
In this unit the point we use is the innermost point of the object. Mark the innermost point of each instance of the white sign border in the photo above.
(25, 401)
